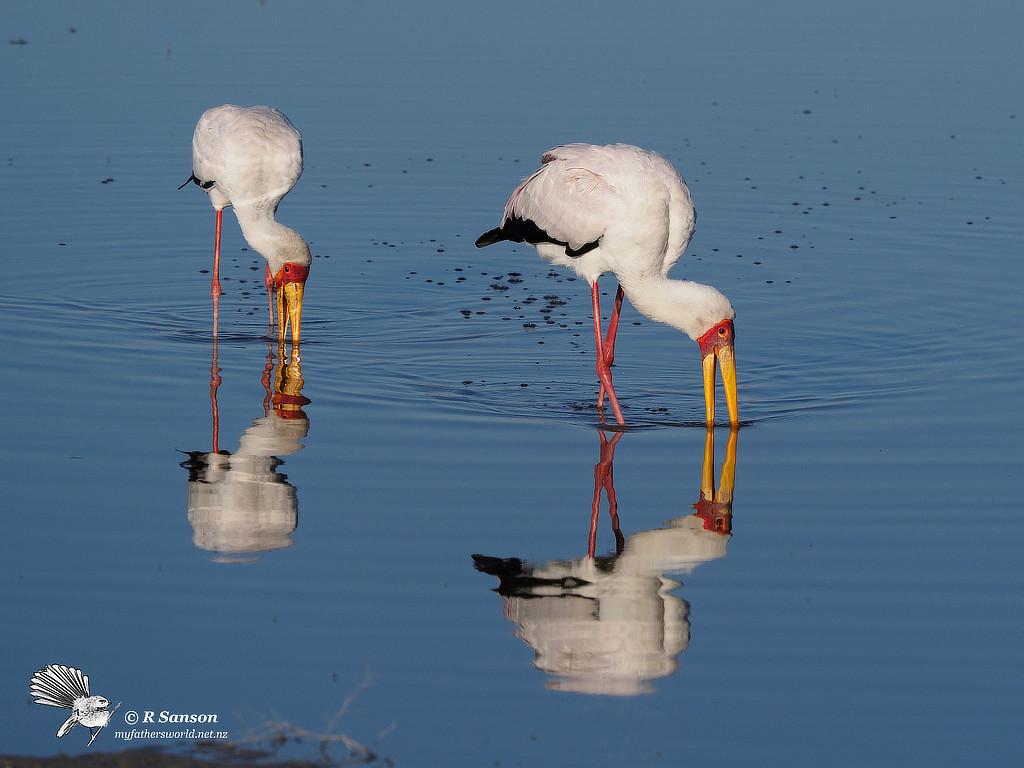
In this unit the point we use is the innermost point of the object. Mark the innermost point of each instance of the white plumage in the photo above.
(250, 158)
(624, 210)
(57, 685)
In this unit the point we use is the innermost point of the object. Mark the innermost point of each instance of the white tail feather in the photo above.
(57, 685)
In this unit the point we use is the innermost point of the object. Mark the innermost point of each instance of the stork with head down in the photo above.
(624, 210)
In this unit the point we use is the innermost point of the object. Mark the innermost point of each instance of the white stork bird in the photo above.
(250, 158)
(624, 210)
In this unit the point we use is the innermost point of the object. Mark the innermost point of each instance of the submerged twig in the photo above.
(277, 732)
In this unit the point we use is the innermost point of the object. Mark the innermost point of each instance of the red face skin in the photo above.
(721, 335)
(291, 273)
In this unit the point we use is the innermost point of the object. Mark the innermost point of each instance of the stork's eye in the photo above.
(722, 331)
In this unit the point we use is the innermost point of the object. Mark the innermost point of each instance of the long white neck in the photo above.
(691, 307)
(274, 241)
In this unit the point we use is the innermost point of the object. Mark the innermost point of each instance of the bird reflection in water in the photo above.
(609, 625)
(240, 504)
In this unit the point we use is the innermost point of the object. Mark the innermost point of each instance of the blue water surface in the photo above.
(857, 171)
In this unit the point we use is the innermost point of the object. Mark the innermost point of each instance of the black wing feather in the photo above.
(526, 231)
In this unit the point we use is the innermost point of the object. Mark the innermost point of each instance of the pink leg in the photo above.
(215, 283)
(613, 326)
(609, 339)
(603, 373)
(269, 280)
(215, 289)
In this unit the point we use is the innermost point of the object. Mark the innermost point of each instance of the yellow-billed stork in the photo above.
(250, 158)
(624, 210)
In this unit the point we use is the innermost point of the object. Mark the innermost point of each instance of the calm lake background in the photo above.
(858, 174)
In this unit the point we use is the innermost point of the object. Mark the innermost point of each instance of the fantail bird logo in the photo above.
(56, 685)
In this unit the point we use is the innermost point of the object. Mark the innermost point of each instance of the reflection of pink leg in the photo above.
(609, 339)
(265, 380)
(214, 384)
(613, 504)
(595, 513)
(603, 481)
(603, 372)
